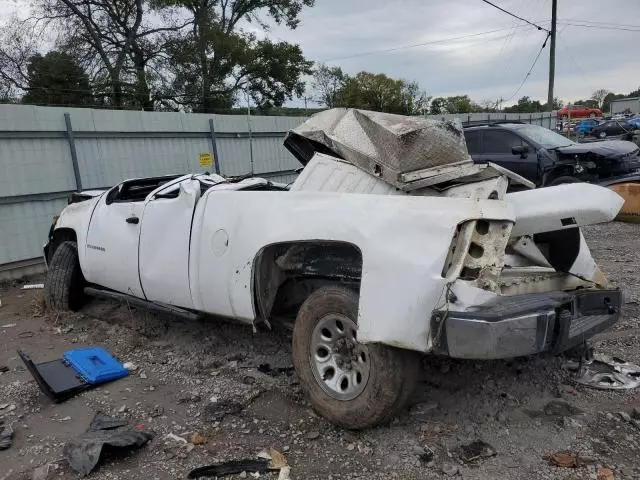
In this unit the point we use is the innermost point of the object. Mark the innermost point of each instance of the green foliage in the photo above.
(56, 79)
(368, 91)
(455, 104)
(381, 93)
(217, 62)
(525, 105)
(327, 85)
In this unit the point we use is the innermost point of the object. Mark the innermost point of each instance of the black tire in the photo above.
(592, 115)
(64, 286)
(602, 135)
(392, 372)
(561, 180)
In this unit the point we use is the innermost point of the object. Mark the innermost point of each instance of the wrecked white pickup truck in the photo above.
(391, 243)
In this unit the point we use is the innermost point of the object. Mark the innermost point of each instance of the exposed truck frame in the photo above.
(373, 264)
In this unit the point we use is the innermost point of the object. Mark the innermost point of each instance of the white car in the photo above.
(390, 244)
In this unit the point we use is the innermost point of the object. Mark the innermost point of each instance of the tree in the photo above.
(438, 106)
(217, 59)
(488, 105)
(599, 95)
(525, 105)
(455, 104)
(381, 93)
(327, 85)
(56, 79)
(116, 41)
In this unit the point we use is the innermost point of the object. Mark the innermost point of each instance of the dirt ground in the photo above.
(185, 371)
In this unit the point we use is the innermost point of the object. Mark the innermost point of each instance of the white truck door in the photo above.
(112, 243)
(164, 243)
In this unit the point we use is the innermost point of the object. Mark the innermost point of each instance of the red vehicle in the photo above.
(579, 111)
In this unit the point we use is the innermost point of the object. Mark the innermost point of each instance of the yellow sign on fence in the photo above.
(206, 160)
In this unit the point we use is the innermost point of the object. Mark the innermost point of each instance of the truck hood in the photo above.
(608, 148)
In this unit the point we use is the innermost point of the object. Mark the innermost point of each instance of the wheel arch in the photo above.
(56, 237)
(286, 273)
(557, 172)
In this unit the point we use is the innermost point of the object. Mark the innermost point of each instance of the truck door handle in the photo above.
(133, 219)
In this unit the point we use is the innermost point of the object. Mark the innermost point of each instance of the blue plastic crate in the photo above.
(95, 365)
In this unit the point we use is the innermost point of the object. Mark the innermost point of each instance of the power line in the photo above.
(602, 27)
(524, 80)
(598, 23)
(434, 42)
(515, 16)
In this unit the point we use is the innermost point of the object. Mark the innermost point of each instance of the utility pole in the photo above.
(552, 54)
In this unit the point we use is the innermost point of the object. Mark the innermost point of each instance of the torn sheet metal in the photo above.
(382, 144)
(609, 373)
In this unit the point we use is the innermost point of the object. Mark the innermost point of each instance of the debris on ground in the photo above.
(604, 473)
(566, 460)
(175, 445)
(172, 437)
(285, 473)
(560, 408)
(277, 461)
(9, 325)
(475, 451)
(216, 411)
(268, 460)
(426, 454)
(608, 373)
(6, 435)
(78, 370)
(132, 367)
(197, 439)
(33, 286)
(450, 469)
(4, 369)
(232, 467)
(105, 433)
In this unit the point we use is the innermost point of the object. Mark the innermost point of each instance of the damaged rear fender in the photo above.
(403, 255)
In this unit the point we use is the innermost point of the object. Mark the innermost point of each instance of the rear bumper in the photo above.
(526, 324)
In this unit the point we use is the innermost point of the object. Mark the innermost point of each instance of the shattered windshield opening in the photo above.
(544, 136)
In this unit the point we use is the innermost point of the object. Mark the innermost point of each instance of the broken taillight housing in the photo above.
(477, 252)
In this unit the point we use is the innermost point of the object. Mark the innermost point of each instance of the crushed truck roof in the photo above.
(382, 144)
(407, 152)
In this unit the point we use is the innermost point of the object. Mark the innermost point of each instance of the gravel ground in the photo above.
(185, 371)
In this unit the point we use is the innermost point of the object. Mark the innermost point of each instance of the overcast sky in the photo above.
(486, 67)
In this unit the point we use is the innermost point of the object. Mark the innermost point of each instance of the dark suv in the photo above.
(547, 158)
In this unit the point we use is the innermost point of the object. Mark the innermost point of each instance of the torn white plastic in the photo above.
(564, 206)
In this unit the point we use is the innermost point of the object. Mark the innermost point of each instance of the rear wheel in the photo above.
(64, 286)
(351, 384)
(592, 115)
(602, 134)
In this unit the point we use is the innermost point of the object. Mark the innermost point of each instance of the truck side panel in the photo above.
(403, 255)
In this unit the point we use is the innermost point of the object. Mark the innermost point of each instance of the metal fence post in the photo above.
(214, 145)
(74, 153)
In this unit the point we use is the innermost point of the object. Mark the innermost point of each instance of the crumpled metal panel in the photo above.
(383, 144)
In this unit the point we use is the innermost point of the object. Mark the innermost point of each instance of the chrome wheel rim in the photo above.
(340, 364)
